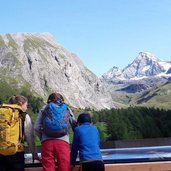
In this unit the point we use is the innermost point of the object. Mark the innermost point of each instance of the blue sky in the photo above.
(103, 33)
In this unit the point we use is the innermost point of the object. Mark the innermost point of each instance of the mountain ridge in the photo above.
(145, 64)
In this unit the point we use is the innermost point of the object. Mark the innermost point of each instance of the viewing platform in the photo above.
(142, 166)
(156, 158)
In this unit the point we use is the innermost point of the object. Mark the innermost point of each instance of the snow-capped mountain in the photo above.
(145, 65)
(146, 70)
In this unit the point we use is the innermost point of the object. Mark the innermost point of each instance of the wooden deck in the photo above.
(145, 166)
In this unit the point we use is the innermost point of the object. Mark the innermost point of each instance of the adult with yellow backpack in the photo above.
(15, 124)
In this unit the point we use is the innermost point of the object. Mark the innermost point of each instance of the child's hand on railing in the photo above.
(36, 157)
(74, 168)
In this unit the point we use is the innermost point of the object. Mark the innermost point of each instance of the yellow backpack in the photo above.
(10, 129)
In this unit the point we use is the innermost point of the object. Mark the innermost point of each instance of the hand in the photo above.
(36, 157)
(72, 167)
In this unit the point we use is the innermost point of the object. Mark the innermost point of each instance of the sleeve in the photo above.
(38, 124)
(29, 134)
(74, 148)
(72, 120)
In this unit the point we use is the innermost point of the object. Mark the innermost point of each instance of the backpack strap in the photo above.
(22, 120)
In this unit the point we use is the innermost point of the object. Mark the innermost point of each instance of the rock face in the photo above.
(36, 59)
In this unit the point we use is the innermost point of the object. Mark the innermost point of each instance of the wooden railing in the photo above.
(143, 166)
(159, 159)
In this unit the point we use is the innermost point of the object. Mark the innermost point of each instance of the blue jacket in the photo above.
(86, 141)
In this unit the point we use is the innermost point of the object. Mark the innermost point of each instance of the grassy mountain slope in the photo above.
(158, 97)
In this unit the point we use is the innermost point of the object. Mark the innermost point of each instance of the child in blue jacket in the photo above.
(86, 141)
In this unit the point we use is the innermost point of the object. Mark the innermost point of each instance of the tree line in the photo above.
(133, 123)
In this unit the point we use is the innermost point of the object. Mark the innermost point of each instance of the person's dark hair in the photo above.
(84, 117)
(19, 100)
(55, 97)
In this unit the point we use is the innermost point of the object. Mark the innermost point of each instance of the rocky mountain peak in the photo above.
(19, 38)
(112, 73)
(147, 56)
(144, 65)
(145, 71)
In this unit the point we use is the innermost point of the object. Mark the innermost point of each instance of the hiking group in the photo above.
(52, 128)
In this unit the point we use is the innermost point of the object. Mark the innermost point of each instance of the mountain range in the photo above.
(145, 65)
(38, 62)
(147, 73)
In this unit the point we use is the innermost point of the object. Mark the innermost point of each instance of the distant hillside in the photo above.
(157, 97)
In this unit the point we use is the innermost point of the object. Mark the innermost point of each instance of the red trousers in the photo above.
(55, 150)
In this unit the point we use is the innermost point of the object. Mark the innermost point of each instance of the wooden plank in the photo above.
(146, 166)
